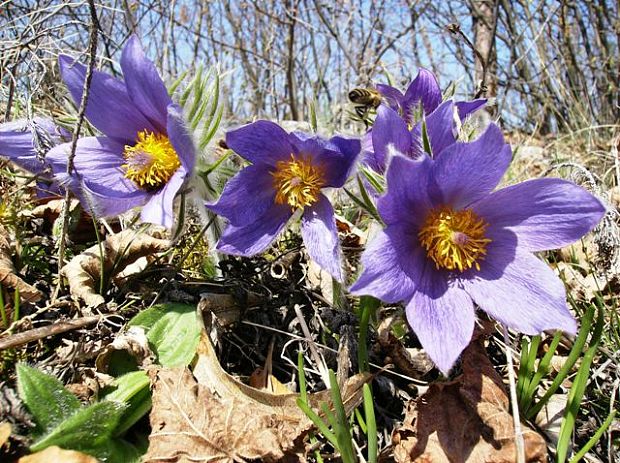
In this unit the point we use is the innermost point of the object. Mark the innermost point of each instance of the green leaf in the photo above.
(133, 390)
(87, 429)
(174, 335)
(45, 397)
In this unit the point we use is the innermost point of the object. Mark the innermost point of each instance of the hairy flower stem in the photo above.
(92, 52)
(519, 443)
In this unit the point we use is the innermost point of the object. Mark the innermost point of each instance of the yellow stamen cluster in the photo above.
(297, 182)
(454, 240)
(151, 161)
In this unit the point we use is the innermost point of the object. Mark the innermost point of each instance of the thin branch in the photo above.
(92, 52)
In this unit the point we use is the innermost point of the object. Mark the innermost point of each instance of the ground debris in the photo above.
(465, 420)
(208, 415)
(8, 277)
(116, 252)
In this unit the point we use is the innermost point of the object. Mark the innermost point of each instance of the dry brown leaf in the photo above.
(414, 363)
(120, 250)
(549, 418)
(56, 454)
(8, 278)
(464, 420)
(50, 209)
(583, 287)
(5, 432)
(210, 416)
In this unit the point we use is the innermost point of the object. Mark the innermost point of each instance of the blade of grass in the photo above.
(594, 439)
(5, 320)
(16, 302)
(541, 371)
(368, 305)
(371, 424)
(573, 356)
(342, 430)
(577, 391)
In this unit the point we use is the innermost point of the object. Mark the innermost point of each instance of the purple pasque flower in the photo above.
(26, 142)
(424, 92)
(398, 125)
(146, 153)
(288, 173)
(451, 241)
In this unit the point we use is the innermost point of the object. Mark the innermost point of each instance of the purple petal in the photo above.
(160, 207)
(545, 213)
(466, 172)
(465, 108)
(248, 240)
(424, 88)
(180, 138)
(390, 135)
(336, 156)
(144, 85)
(260, 142)
(392, 96)
(109, 107)
(393, 264)
(17, 142)
(320, 235)
(406, 200)
(440, 128)
(102, 202)
(246, 196)
(443, 319)
(98, 161)
(520, 291)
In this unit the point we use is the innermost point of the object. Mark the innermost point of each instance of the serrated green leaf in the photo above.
(45, 397)
(87, 429)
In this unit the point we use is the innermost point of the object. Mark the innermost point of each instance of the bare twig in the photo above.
(19, 339)
(519, 443)
(92, 51)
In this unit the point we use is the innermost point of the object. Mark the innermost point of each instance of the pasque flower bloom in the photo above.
(146, 153)
(423, 91)
(451, 241)
(398, 125)
(26, 142)
(288, 173)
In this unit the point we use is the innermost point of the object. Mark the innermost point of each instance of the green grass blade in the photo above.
(368, 305)
(577, 391)
(371, 424)
(573, 356)
(303, 393)
(541, 371)
(594, 439)
(318, 422)
(342, 427)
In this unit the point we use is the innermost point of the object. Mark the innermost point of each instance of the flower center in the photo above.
(454, 240)
(151, 161)
(297, 182)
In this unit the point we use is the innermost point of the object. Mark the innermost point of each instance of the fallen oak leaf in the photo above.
(116, 252)
(210, 416)
(465, 420)
(8, 278)
(57, 454)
